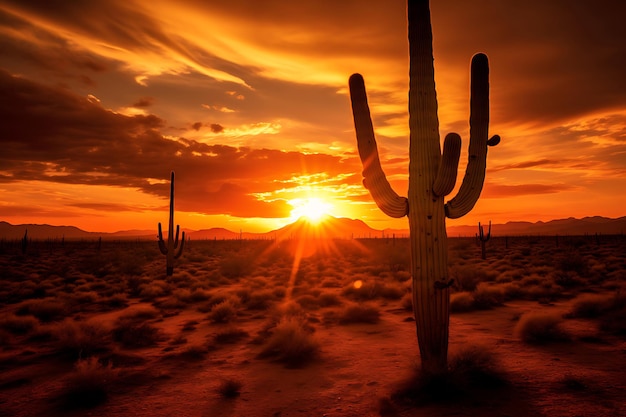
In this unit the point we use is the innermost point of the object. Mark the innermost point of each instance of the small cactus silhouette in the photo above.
(484, 238)
(432, 176)
(171, 249)
(25, 241)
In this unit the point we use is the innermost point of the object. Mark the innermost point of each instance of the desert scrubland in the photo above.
(297, 328)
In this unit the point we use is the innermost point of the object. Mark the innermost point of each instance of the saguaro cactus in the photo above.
(484, 238)
(432, 175)
(171, 249)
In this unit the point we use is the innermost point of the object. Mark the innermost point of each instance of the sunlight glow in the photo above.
(314, 209)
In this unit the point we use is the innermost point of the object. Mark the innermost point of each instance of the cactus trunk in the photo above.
(432, 176)
(429, 256)
(172, 250)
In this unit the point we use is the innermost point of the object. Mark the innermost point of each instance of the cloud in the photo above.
(144, 102)
(216, 128)
(491, 190)
(52, 135)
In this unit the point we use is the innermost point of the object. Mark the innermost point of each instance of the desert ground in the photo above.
(297, 328)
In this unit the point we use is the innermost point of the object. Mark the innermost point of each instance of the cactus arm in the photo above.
(474, 177)
(162, 246)
(175, 242)
(446, 175)
(374, 178)
(180, 248)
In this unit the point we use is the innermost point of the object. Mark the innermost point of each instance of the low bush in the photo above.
(81, 338)
(229, 335)
(89, 384)
(230, 388)
(132, 334)
(46, 309)
(461, 302)
(591, 305)
(359, 313)
(18, 325)
(470, 370)
(540, 328)
(224, 312)
(292, 343)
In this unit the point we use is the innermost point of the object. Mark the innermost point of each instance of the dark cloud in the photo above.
(52, 135)
(503, 191)
(144, 102)
(216, 128)
(196, 126)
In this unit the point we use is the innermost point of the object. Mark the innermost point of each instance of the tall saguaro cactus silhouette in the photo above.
(432, 176)
(171, 249)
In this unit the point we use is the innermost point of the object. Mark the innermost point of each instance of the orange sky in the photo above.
(247, 102)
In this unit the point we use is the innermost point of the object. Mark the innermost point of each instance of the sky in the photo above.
(247, 101)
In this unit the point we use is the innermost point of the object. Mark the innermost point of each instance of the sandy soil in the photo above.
(358, 369)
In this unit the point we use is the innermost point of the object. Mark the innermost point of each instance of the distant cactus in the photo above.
(484, 238)
(432, 176)
(171, 249)
(25, 241)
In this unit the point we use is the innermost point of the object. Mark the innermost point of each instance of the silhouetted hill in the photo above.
(570, 226)
(43, 231)
(330, 227)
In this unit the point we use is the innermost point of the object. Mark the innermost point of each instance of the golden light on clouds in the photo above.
(248, 103)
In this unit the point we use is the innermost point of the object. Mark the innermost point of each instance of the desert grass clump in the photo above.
(328, 299)
(224, 312)
(540, 328)
(235, 266)
(359, 313)
(291, 342)
(487, 296)
(230, 388)
(229, 335)
(591, 305)
(89, 384)
(133, 334)
(472, 371)
(461, 302)
(18, 325)
(46, 309)
(82, 339)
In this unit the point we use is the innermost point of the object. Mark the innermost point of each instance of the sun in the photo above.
(314, 209)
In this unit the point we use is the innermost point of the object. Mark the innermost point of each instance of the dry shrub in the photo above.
(154, 289)
(146, 312)
(261, 300)
(461, 302)
(81, 338)
(359, 313)
(292, 343)
(230, 388)
(229, 335)
(471, 370)
(467, 278)
(487, 296)
(540, 328)
(591, 305)
(407, 302)
(89, 384)
(224, 312)
(45, 310)
(18, 325)
(308, 302)
(328, 299)
(371, 289)
(218, 298)
(132, 334)
(236, 266)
